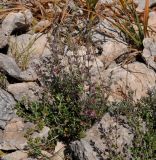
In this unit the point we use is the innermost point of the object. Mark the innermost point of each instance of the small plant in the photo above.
(124, 16)
(34, 147)
(22, 53)
(63, 109)
(142, 121)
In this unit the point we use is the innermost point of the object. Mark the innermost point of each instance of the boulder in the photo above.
(3, 39)
(149, 52)
(30, 46)
(13, 136)
(24, 90)
(7, 103)
(134, 78)
(102, 138)
(17, 155)
(17, 21)
(42, 134)
(9, 67)
(111, 51)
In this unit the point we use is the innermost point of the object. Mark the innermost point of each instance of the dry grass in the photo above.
(123, 15)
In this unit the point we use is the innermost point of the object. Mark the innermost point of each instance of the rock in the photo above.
(111, 51)
(59, 146)
(28, 75)
(152, 24)
(134, 78)
(30, 46)
(42, 134)
(17, 21)
(24, 90)
(149, 52)
(141, 3)
(150, 44)
(7, 103)
(59, 152)
(3, 39)
(110, 129)
(46, 154)
(9, 67)
(41, 25)
(13, 136)
(17, 155)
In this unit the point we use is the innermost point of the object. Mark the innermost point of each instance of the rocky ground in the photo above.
(29, 43)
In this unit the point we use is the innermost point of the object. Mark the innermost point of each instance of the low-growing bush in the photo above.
(141, 118)
(63, 109)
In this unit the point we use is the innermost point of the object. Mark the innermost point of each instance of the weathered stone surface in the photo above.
(28, 75)
(59, 152)
(7, 103)
(42, 134)
(34, 46)
(14, 21)
(9, 67)
(115, 134)
(112, 50)
(141, 3)
(24, 90)
(41, 25)
(13, 136)
(149, 52)
(3, 39)
(17, 155)
(135, 77)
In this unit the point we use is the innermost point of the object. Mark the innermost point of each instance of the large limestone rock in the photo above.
(7, 103)
(3, 39)
(30, 46)
(135, 78)
(24, 90)
(149, 52)
(111, 51)
(9, 67)
(17, 21)
(102, 138)
(17, 155)
(13, 136)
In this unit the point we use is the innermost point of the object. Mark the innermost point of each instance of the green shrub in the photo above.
(141, 118)
(66, 112)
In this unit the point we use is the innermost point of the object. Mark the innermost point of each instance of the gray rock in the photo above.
(149, 52)
(9, 67)
(111, 51)
(13, 136)
(14, 21)
(28, 75)
(6, 107)
(135, 78)
(35, 44)
(42, 134)
(24, 90)
(142, 3)
(83, 149)
(17, 155)
(3, 39)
